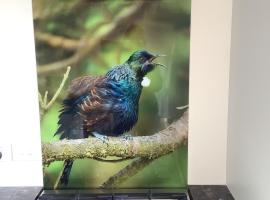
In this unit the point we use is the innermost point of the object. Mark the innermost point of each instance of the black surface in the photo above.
(197, 192)
(119, 194)
(209, 192)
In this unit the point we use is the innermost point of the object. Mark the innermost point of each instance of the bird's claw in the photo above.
(103, 138)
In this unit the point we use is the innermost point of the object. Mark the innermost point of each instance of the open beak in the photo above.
(161, 65)
(158, 64)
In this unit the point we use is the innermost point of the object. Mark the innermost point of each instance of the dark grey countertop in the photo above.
(197, 192)
(210, 192)
(19, 193)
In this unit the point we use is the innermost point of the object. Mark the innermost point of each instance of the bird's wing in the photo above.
(102, 98)
(97, 99)
(82, 85)
(92, 93)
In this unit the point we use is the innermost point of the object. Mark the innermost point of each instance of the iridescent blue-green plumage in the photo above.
(107, 105)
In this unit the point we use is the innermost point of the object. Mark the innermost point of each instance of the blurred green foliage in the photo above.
(164, 28)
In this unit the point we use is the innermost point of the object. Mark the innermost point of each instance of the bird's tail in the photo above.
(64, 175)
(66, 172)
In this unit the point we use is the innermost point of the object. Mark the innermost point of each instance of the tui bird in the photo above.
(104, 106)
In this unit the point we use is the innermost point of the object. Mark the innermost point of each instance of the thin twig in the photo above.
(40, 100)
(44, 106)
(58, 90)
(45, 99)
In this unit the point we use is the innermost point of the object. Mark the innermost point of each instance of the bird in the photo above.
(103, 106)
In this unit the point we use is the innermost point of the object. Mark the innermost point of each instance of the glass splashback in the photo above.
(112, 77)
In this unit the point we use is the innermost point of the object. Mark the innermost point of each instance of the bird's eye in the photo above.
(142, 59)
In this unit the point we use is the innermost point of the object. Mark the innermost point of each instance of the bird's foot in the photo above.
(127, 137)
(103, 138)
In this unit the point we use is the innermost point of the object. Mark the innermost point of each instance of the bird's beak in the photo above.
(161, 65)
(156, 56)
(158, 64)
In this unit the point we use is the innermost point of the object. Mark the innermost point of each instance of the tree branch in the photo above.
(58, 41)
(161, 143)
(122, 21)
(132, 169)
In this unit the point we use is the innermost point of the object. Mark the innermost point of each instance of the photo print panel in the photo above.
(113, 79)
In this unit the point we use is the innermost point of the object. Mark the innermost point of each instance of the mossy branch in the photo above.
(150, 147)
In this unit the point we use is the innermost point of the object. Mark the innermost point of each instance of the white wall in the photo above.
(248, 166)
(209, 83)
(19, 116)
(211, 24)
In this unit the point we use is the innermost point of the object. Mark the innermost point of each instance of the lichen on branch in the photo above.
(154, 146)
